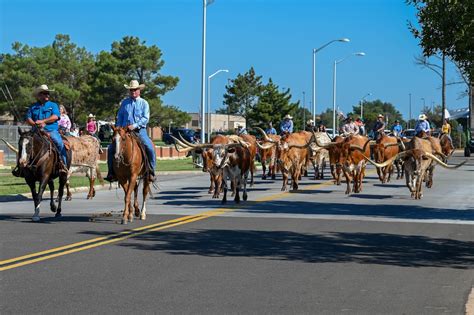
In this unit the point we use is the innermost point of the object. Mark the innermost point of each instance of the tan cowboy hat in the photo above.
(422, 117)
(288, 116)
(134, 85)
(41, 88)
(309, 122)
(91, 116)
(380, 116)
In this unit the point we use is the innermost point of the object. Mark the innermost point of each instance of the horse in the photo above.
(446, 144)
(129, 163)
(38, 162)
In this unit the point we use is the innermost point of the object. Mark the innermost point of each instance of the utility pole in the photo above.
(409, 115)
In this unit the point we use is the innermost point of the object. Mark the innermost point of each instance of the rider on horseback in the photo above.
(134, 114)
(44, 115)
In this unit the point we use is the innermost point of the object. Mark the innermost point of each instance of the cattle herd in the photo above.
(230, 159)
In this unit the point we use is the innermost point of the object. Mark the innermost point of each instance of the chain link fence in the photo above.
(10, 134)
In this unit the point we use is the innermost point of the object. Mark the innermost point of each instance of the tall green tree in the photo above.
(242, 93)
(130, 59)
(447, 29)
(272, 106)
(63, 66)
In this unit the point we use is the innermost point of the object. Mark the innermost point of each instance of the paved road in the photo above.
(313, 251)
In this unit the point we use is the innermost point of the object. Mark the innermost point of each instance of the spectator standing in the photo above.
(64, 121)
(91, 125)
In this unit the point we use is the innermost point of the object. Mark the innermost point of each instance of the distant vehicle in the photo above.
(187, 134)
(329, 132)
(408, 133)
(105, 131)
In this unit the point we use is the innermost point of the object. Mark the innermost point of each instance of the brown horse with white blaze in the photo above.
(129, 164)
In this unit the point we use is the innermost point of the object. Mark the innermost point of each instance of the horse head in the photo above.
(25, 147)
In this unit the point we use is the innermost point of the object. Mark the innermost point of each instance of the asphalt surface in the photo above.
(314, 251)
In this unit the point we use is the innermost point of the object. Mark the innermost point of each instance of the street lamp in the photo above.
(409, 112)
(361, 103)
(205, 3)
(361, 54)
(315, 50)
(169, 126)
(209, 101)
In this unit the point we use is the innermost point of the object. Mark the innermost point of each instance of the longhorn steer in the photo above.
(349, 158)
(416, 163)
(384, 149)
(268, 152)
(292, 156)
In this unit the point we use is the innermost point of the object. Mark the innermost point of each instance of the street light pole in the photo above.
(424, 103)
(409, 118)
(304, 109)
(209, 102)
(360, 54)
(205, 3)
(361, 103)
(315, 50)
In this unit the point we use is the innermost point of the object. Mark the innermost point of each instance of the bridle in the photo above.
(40, 156)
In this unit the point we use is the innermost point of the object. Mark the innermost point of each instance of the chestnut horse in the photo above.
(129, 164)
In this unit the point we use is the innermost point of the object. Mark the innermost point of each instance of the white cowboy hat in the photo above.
(91, 116)
(380, 116)
(422, 117)
(288, 116)
(134, 85)
(41, 88)
(309, 122)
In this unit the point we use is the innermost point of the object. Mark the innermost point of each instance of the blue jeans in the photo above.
(58, 142)
(147, 143)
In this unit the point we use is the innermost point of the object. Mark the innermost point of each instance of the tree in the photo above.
(447, 29)
(130, 59)
(63, 66)
(242, 93)
(272, 106)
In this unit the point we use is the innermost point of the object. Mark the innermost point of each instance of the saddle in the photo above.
(143, 152)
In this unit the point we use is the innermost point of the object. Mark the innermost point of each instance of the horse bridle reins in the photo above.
(38, 158)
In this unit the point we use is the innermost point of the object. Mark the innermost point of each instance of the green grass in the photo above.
(13, 185)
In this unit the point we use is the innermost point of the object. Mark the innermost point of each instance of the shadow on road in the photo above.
(334, 247)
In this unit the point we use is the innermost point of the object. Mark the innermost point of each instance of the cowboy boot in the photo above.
(110, 177)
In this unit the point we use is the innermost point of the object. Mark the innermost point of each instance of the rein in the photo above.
(39, 158)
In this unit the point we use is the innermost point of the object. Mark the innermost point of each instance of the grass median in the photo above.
(10, 185)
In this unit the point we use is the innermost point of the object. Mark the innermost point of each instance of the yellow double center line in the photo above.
(117, 237)
(99, 241)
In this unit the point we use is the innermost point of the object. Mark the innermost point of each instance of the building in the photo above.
(218, 122)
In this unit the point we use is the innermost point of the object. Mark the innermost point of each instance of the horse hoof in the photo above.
(58, 215)
(143, 217)
(35, 219)
(124, 222)
(53, 209)
(244, 197)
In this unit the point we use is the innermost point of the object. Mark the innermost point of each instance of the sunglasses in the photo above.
(133, 90)
(44, 93)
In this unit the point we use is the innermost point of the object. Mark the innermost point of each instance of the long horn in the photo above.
(265, 136)
(401, 144)
(358, 147)
(184, 140)
(325, 145)
(265, 146)
(11, 147)
(388, 162)
(386, 145)
(432, 156)
(232, 145)
(368, 142)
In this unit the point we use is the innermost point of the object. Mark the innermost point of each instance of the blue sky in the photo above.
(275, 37)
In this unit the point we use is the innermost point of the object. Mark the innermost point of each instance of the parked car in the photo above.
(408, 133)
(187, 134)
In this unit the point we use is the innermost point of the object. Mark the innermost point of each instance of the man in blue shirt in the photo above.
(286, 125)
(270, 130)
(422, 125)
(134, 114)
(397, 129)
(44, 115)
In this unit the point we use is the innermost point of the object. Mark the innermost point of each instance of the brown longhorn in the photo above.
(265, 136)
(265, 146)
(11, 147)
